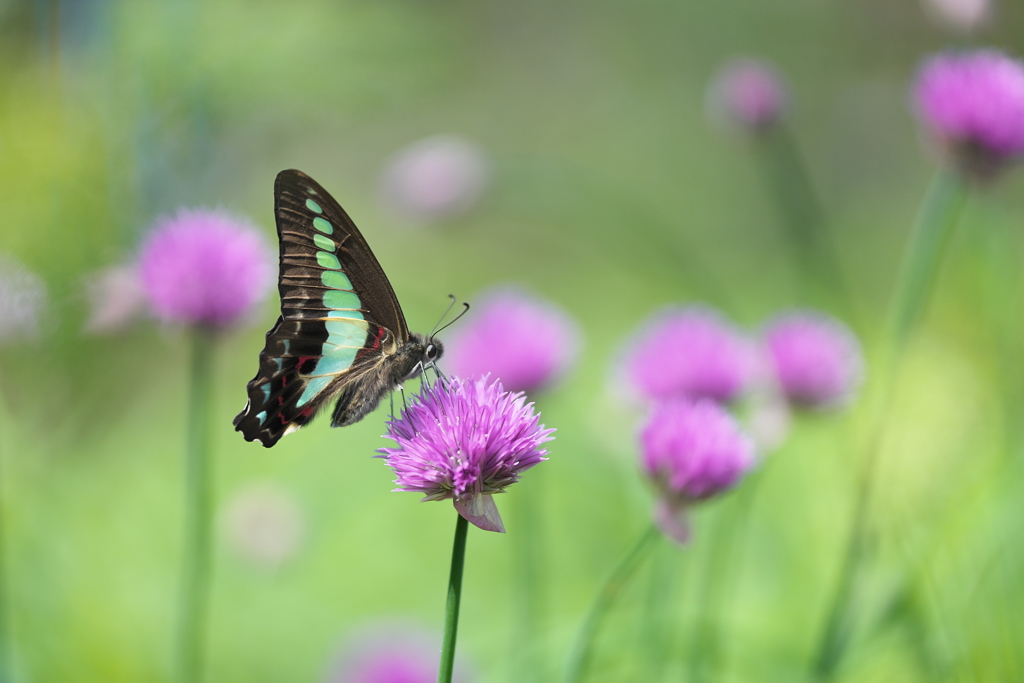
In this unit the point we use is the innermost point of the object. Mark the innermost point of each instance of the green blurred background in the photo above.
(610, 193)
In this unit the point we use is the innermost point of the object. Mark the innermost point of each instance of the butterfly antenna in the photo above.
(438, 328)
(444, 315)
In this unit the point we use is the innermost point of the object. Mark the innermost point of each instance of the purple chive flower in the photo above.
(692, 452)
(391, 653)
(524, 341)
(465, 440)
(815, 359)
(749, 94)
(435, 178)
(202, 267)
(22, 301)
(689, 352)
(973, 105)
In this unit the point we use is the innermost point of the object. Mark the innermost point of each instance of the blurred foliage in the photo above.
(612, 195)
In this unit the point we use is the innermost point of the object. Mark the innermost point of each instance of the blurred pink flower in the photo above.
(392, 653)
(960, 15)
(263, 523)
(690, 352)
(23, 299)
(748, 93)
(692, 452)
(524, 341)
(435, 178)
(815, 359)
(202, 267)
(115, 297)
(973, 105)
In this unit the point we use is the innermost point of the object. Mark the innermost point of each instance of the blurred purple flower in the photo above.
(814, 358)
(690, 352)
(692, 452)
(435, 178)
(973, 104)
(23, 299)
(392, 653)
(749, 94)
(960, 15)
(263, 523)
(524, 341)
(203, 267)
(465, 440)
(115, 299)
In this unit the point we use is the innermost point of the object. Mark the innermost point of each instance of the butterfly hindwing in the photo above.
(341, 331)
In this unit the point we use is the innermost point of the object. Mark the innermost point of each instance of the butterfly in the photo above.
(341, 333)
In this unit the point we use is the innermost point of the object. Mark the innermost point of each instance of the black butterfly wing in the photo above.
(340, 320)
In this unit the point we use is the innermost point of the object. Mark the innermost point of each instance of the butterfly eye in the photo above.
(430, 352)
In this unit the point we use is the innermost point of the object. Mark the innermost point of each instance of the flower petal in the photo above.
(481, 511)
(673, 519)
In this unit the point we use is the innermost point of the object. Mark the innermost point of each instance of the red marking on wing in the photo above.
(381, 333)
(305, 359)
(374, 345)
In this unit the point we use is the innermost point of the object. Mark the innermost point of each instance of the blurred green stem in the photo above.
(807, 231)
(528, 599)
(929, 238)
(999, 250)
(6, 651)
(195, 570)
(451, 612)
(706, 656)
(656, 634)
(579, 658)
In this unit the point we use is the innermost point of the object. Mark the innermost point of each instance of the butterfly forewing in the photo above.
(309, 222)
(340, 321)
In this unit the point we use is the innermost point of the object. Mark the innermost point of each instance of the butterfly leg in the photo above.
(443, 378)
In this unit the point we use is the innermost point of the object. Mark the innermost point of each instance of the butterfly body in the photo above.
(359, 399)
(341, 333)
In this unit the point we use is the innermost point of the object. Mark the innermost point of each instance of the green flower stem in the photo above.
(528, 599)
(707, 657)
(1001, 279)
(451, 611)
(803, 219)
(195, 570)
(579, 659)
(656, 636)
(6, 651)
(928, 241)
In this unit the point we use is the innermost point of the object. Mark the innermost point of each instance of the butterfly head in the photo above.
(430, 349)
